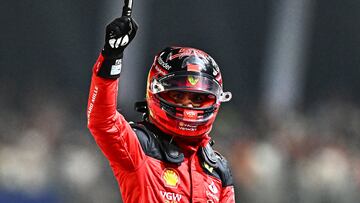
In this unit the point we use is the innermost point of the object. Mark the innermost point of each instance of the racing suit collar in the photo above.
(188, 146)
(191, 145)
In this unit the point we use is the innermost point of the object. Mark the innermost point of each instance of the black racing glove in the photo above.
(119, 33)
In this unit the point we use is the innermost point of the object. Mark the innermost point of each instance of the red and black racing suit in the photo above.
(147, 166)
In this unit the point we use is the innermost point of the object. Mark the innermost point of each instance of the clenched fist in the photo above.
(119, 33)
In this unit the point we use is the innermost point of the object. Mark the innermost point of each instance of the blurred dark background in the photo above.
(291, 132)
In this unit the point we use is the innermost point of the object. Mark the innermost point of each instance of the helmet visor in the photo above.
(186, 82)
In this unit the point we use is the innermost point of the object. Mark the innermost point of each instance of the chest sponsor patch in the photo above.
(170, 177)
(171, 197)
(212, 193)
(213, 188)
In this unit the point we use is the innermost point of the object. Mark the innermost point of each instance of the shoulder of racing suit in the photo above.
(214, 164)
(158, 145)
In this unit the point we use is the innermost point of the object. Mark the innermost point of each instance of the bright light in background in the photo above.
(285, 60)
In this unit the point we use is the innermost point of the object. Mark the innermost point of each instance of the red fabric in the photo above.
(142, 178)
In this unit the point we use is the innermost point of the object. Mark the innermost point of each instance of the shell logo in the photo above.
(170, 177)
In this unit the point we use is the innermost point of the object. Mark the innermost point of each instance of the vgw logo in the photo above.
(170, 197)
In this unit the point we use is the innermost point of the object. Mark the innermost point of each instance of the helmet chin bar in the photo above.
(172, 111)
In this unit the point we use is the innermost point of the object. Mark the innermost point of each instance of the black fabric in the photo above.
(208, 154)
(223, 170)
(105, 69)
(156, 145)
(141, 106)
(148, 142)
(116, 29)
(215, 165)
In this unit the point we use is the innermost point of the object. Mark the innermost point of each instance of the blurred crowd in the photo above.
(308, 156)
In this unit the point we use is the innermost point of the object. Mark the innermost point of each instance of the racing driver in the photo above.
(167, 157)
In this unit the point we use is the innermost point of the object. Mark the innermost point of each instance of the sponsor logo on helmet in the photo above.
(216, 69)
(193, 80)
(161, 72)
(171, 197)
(187, 127)
(194, 67)
(215, 72)
(188, 52)
(190, 114)
(170, 177)
(163, 64)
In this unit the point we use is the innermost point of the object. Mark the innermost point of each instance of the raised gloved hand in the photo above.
(119, 33)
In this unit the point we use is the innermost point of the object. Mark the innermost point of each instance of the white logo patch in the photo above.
(116, 68)
(170, 196)
(190, 114)
(213, 188)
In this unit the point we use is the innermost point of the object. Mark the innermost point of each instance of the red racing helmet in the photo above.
(178, 74)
